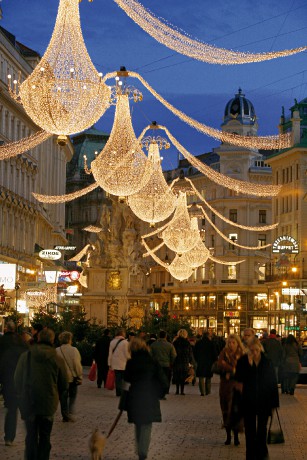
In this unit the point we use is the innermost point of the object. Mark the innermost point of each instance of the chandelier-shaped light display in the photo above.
(164, 33)
(64, 94)
(122, 168)
(155, 202)
(65, 198)
(12, 149)
(179, 270)
(181, 233)
(197, 256)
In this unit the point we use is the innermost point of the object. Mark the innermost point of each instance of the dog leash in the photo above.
(114, 423)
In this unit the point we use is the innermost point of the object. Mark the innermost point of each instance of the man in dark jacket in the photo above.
(205, 355)
(11, 347)
(101, 354)
(43, 370)
(273, 350)
(164, 353)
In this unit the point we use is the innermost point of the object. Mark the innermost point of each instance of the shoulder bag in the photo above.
(275, 436)
(76, 380)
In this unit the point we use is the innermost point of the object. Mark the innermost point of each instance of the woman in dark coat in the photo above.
(259, 398)
(205, 355)
(148, 384)
(227, 364)
(292, 353)
(182, 361)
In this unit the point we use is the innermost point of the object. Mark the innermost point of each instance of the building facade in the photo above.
(25, 224)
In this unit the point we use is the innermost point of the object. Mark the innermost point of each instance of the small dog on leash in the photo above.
(96, 444)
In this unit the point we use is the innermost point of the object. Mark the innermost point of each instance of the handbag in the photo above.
(110, 382)
(215, 368)
(275, 436)
(191, 375)
(93, 372)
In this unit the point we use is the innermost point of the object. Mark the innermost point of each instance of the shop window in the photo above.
(186, 302)
(212, 301)
(194, 303)
(232, 301)
(202, 301)
(261, 302)
(176, 302)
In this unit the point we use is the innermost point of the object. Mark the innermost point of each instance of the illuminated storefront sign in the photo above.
(8, 275)
(50, 254)
(285, 244)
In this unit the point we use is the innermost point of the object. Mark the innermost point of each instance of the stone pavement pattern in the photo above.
(191, 428)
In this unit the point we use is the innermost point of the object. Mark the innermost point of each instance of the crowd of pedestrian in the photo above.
(36, 376)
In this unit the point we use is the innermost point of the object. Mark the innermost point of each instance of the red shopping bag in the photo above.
(93, 372)
(110, 383)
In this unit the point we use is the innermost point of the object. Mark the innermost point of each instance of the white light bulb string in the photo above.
(64, 198)
(277, 142)
(182, 43)
(12, 149)
(228, 221)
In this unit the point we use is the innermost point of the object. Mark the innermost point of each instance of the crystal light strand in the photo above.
(65, 198)
(11, 149)
(235, 224)
(229, 240)
(182, 43)
(280, 141)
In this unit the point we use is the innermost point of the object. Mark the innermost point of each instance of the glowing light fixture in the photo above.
(64, 198)
(181, 233)
(64, 94)
(14, 148)
(121, 168)
(155, 202)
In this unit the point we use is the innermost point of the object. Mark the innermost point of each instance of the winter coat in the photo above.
(163, 352)
(291, 357)
(148, 384)
(205, 355)
(273, 350)
(72, 361)
(48, 378)
(227, 363)
(101, 352)
(11, 347)
(260, 391)
(183, 359)
(117, 360)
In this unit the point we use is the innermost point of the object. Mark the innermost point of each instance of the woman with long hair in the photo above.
(227, 364)
(182, 361)
(257, 375)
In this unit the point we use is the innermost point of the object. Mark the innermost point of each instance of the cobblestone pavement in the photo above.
(191, 428)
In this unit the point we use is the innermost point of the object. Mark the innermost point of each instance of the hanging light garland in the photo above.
(12, 149)
(155, 202)
(38, 299)
(121, 168)
(64, 94)
(64, 198)
(281, 141)
(165, 33)
(255, 248)
(181, 232)
(220, 179)
(179, 270)
(262, 228)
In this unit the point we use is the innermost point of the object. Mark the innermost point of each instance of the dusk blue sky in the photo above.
(201, 90)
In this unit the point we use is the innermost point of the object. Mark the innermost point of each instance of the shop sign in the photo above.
(232, 314)
(292, 328)
(65, 248)
(8, 275)
(50, 254)
(285, 244)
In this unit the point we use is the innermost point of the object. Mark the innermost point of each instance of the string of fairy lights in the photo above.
(11, 149)
(165, 33)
